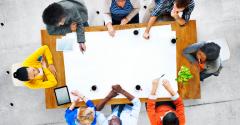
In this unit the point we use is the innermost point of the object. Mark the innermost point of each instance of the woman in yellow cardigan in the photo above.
(34, 69)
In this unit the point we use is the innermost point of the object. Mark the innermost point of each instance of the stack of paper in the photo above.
(66, 42)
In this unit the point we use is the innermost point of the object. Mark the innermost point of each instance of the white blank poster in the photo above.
(125, 59)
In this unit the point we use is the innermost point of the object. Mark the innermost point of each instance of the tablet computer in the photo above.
(62, 95)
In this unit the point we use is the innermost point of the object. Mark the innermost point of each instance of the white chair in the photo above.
(15, 81)
(225, 51)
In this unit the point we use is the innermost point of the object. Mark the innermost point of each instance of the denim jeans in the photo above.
(204, 75)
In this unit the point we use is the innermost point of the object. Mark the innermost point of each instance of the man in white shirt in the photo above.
(121, 114)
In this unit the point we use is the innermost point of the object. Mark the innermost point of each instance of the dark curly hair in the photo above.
(21, 74)
(211, 50)
(170, 119)
(182, 3)
(53, 14)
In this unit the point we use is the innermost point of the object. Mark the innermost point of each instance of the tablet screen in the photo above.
(62, 95)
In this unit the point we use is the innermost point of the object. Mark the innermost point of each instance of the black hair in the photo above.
(170, 119)
(211, 50)
(119, 121)
(182, 3)
(21, 74)
(53, 14)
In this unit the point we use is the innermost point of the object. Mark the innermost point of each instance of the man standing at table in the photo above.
(170, 9)
(123, 114)
(65, 17)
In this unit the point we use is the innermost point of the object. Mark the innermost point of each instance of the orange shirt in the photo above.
(155, 114)
(201, 66)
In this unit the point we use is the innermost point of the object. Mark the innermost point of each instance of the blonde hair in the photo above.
(85, 115)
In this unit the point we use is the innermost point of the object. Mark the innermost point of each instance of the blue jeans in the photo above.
(204, 75)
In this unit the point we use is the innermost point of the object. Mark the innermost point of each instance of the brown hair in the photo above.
(182, 3)
(85, 116)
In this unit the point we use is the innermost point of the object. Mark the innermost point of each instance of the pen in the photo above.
(162, 75)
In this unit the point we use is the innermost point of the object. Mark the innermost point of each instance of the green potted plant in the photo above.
(184, 75)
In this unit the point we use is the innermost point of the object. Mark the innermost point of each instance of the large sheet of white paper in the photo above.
(125, 59)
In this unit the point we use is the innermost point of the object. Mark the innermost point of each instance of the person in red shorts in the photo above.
(162, 113)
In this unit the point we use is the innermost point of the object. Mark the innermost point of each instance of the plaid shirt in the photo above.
(166, 6)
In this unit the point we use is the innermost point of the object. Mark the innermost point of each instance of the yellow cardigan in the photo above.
(32, 61)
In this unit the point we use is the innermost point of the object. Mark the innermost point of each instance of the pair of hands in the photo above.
(165, 84)
(111, 30)
(82, 47)
(50, 67)
(78, 95)
(116, 89)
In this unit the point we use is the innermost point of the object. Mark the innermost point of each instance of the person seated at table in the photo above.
(65, 17)
(162, 113)
(82, 115)
(120, 12)
(121, 114)
(170, 10)
(34, 69)
(206, 56)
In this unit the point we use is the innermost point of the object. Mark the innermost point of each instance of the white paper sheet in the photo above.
(125, 59)
(64, 44)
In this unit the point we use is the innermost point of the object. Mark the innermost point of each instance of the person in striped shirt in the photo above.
(120, 12)
(170, 8)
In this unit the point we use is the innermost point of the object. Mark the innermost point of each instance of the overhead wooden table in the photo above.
(185, 35)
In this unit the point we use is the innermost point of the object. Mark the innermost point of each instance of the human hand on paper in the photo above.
(124, 21)
(77, 93)
(82, 47)
(146, 35)
(111, 30)
(77, 100)
(155, 83)
(168, 87)
(117, 88)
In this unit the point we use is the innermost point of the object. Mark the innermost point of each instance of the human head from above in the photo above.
(170, 118)
(208, 52)
(180, 5)
(121, 3)
(114, 121)
(85, 115)
(26, 73)
(54, 14)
